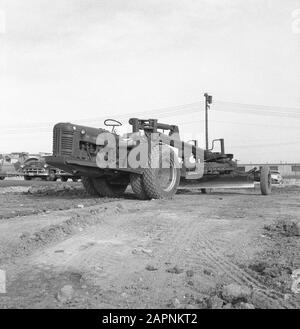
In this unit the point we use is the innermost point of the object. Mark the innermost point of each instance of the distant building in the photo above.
(287, 170)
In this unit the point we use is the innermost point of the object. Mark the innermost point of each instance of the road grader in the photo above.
(152, 159)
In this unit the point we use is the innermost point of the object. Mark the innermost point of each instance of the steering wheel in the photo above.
(112, 123)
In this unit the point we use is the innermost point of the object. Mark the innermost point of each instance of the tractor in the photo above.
(152, 159)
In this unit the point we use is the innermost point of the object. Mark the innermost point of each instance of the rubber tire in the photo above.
(27, 178)
(265, 181)
(150, 177)
(2, 177)
(137, 185)
(105, 189)
(75, 180)
(64, 179)
(89, 186)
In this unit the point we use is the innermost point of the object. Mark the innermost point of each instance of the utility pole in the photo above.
(208, 101)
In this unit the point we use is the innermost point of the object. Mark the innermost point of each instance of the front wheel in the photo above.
(265, 180)
(64, 179)
(162, 178)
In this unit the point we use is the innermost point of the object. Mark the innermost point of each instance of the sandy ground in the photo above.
(62, 248)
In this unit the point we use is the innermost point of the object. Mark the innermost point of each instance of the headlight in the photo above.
(83, 132)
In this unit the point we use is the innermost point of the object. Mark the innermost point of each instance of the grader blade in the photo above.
(220, 182)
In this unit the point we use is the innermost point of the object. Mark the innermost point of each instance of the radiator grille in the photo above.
(67, 142)
(56, 141)
(62, 142)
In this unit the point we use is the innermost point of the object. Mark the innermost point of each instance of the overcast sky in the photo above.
(66, 60)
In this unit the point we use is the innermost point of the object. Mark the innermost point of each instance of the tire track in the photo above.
(244, 275)
(169, 251)
(218, 260)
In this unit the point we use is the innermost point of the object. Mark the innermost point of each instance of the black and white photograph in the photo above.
(149, 157)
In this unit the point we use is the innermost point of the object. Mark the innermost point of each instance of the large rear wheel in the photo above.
(265, 180)
(108, 189)
(137, 185)
(89, 186)
(162, 178)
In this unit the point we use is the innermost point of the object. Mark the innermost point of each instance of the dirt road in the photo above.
(61, 248)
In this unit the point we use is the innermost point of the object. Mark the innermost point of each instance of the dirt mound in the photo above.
(284, 227)
(275, 265)
(57, 189)
(28, 242)
(274, 274)
(14, 189)
(230, 296)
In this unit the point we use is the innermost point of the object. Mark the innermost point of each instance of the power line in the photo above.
(232, 146)
(43, 130)
(264, 110)
(266, 145)
(263, 107)
(243, 123)
(158, 111)
(257, 111)
(173, 111)
(48, 130)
